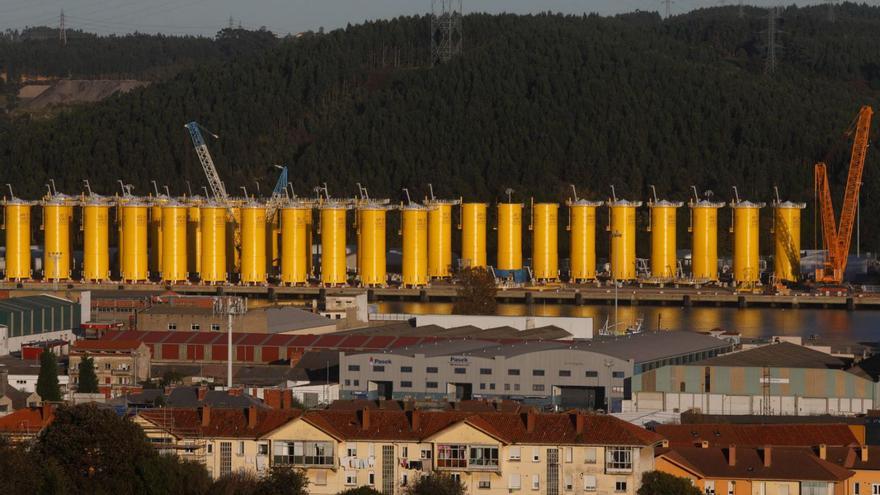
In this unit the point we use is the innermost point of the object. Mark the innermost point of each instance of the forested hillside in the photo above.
(534, 103)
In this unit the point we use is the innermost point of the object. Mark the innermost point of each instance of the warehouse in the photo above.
(192, 318)
(30, 319)
(781, 378)
(593, 374)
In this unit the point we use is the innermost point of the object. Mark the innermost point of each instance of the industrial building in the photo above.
(781, 378)
(266, 320)
(32, 319)
(589, 374)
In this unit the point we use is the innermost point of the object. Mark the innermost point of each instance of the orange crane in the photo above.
(837, 239)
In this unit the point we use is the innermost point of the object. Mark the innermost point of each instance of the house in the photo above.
(119, 364)
(13, 399)
(863, 460)
(23, 373)
(25, 424)
(757, 435)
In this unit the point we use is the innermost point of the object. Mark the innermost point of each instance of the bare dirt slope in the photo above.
(66, 92)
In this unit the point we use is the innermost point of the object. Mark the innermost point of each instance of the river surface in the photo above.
(832, 324)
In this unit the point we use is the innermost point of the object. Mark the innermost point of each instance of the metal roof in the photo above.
(781, 355)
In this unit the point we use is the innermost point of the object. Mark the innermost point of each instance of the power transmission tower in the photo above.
(668, 4)
(231, 23)
(772, 40)
(62, 30)
(832, 16)
(445, 30)
(740, 13)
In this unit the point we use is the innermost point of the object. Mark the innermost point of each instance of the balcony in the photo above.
(314, 461)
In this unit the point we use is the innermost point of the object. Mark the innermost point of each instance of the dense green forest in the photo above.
(534, 103)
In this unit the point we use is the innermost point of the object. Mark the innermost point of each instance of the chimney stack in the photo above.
(365, 419)
(272, 398)
(864, 453)
(202, 391)
(823, 451)
(768, 455)
(531, 416)
(416, 415)
(4, 382)
(580, 422)
(206, 415)
(286, 399)
(704, 444)
(252, 417)
(731, 455)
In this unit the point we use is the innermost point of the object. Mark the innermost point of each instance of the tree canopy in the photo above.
(47, 381)
(660, 483)
(88, 380)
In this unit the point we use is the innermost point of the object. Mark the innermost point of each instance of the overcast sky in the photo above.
(205, 17)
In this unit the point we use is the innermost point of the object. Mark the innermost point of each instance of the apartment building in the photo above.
(120, 365)
(489, 452)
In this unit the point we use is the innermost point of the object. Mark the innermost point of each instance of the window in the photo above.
(351, 451)
(482, 386)
(406, 369)
(618, 460)
(537, 388)
(731, 487)
(460, 371)
(856, 490)
(451, 456)
(513, 454)
(591, 374)
(455, 477)
(215, 327)
(347, 382)
(172, 326)
(514, 482)
(819, 488)
(620, 486)
(303, 453)
(536, 482)
(195, 326)
(354, 367)
(372, 478)
(617, 374)
(709, 487)
(485, 371)
(404, 479)
(485, 482)
(405, 384)
(240, 450)
(516, 387)
(513, 372)
(351, 478)
(425, 453)
(492, 386)
(357, 383)
(430, 384)
(507, 387)
(568, 483)
(590, 455)
(537, 372)
(263, 448)
(568, 455)
(225, 458)
(564, 372)
(536, 454)
(431, 369)
(875, 489)
(378, 369)
(483, 457)
(404, 451)
(589, 483)
(210, 448)
(707, 380)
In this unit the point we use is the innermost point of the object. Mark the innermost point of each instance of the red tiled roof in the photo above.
(226, 423)
(850, 457)
(106, 345)
(786, 463)
(722, 435)
(27, 421)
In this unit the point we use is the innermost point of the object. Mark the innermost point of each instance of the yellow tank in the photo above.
(155, 236)
(212, 227)
(704, 250)
(664, 264)
(415, 246)
(371, 244)
(57, 216)
(440, 237)
(473, 235)
(294, 243)
(509, 236)
(193, 236)
(133, 264)
(253, 244)
(96, 241)
(545, 239)
(787, 234)
(582, 225)
(746, 220)
(622, 228)
(174, 237)
(17, 223)
(333, 268)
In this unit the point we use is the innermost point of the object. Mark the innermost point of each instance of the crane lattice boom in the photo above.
(217, 187)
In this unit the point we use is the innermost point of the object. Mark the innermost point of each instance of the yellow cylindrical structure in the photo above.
(253, 244)
(294, 243)
(509, 236)
(622, 228)
(787, 234)
(212, 227)
(174, 236)
(96, 241)
(440, 237)
(193, 237)
(371, 245)
(545, 239)
(704, 248)
(473, 235)
(17, 222)
(415, 246)
(746, 220)
(155, 236)
(57, 216)
(582, 224)
(664, 263)
(133, 264)
(333, 268)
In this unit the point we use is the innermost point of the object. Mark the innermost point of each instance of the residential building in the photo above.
(23, 374)
(782, 378)
(592, 374)
(757, 435)
(862, 460)
(13, 399)
(30, 319)
(25, 424)
(120, 365)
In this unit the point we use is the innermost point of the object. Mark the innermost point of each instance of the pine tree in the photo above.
(47, 382)
(88, 380)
